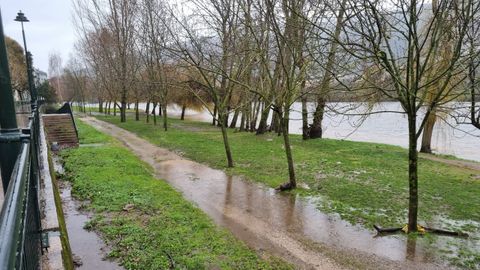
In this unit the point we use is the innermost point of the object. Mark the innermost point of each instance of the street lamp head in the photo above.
(21, 17)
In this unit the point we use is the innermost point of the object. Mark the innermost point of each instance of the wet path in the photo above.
(283, 224)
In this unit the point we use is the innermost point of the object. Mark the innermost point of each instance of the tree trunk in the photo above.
(316, 128)
(147, 107)
(184, 108)
(114, 108)
(225, 140)
(305, 129)
(274, 122)
(256, 111)
(154, 107)
(233, 124)
(154, 113)
(412, 174)
(123, 111)
(214, 114)
(225, 120)
(147, 111)
(160, 109)
(100, 106)
(428, 132)
(137, 113)
(242, 120)
(248, 113)
(165, 120)
(288, 149)
(262, 126)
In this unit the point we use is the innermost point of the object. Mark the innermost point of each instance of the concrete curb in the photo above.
(52, 258)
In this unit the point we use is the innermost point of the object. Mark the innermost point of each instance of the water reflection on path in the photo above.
(284, 224)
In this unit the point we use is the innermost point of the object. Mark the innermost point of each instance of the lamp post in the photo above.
(21, 18)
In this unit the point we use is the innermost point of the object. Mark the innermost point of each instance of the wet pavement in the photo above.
(283, 224)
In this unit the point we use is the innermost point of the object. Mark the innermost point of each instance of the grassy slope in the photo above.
(363, 182)
(161, 229)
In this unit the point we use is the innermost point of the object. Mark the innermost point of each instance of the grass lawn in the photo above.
(148, 224)
(365, 183)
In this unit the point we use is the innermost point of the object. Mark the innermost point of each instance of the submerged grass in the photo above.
(365, 183)
(148, 224)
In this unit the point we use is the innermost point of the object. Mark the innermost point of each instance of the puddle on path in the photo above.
(85, 245)
(283, 224)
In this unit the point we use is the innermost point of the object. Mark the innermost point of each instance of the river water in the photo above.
(390, 127)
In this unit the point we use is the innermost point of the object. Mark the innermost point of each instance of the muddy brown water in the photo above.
(283, 224)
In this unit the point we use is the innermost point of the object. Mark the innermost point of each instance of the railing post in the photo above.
(8, 121)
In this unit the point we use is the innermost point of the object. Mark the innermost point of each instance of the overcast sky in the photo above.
(50, 28)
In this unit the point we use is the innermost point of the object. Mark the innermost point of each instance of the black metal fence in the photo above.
(20, 228)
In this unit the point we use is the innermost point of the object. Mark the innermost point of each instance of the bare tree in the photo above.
(207, 41)
(115, 19)
(386, 38)
(153, 37)
(474, 60)
(55, 72)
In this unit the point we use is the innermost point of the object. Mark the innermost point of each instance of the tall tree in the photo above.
(389, 39)
(18, 68)
(115, 19)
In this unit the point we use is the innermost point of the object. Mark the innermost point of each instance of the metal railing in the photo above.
(20, 228)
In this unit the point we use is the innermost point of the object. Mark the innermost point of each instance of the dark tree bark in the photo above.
(165, 119)
(215, 112)
(233, 124)
(100, 106)
(262, 126)
(147, 107)
(242, 120)
(147, 111)
(316, 128)
(184, 108)
(427, 133)
(288, 149)
(123, 110)
(154, 113)
(137, 113)
(228, 152)
(412, 173)
(154, 106)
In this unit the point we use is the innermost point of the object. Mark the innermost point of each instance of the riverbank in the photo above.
(148, 224)
(362, 182)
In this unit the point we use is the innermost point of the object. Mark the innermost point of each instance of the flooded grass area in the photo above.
(351, 182)
(148, 224)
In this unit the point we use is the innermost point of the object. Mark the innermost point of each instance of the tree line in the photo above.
(248, 61)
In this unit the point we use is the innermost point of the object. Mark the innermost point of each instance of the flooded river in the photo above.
(390, 127)
(287, 225)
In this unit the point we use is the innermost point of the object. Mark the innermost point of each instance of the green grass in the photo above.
(161, 229)
(364, 183)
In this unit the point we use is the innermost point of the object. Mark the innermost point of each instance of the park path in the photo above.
(472, 165)
(276, 223)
